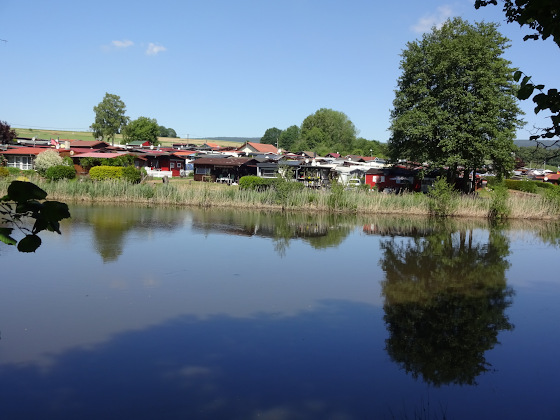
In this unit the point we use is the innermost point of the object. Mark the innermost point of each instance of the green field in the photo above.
(86, 135)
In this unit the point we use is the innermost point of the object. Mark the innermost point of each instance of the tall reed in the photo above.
(524, 206)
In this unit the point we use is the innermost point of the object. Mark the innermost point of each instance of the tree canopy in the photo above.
(110, 117)
(167, 132)
(142, 129)
(7, 133)
(325, 131)
(330, 128)
(543, 17)
(455, 103)
(271, 136)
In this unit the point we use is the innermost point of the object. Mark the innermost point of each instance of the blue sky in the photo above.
(227, 68)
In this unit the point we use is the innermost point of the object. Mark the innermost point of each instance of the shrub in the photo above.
(102, 173)
(255, 183)
(552, 196)
(131, 174)
(284, 188)
(442, 198)
(498, 205)
(55, 173)
(46, 159)
(4, 172)
(14, 171)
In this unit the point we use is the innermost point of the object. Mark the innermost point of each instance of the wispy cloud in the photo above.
(154, 49)
(125, 43)
(427, 22)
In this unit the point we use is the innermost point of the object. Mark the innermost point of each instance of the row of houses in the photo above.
(209, 162)
(212, 163)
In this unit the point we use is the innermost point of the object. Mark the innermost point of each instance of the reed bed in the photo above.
(198, 194)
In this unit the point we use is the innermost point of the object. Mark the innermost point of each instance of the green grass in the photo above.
(87, 135)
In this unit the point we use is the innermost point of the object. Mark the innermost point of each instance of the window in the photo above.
(21, 162)
(172, 165)
(202, 171)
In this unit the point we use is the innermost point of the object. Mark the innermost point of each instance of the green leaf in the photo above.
(21, 191)
(5, 236)
(55, 210)
(525, 92)
(29, 244)
(517, 75)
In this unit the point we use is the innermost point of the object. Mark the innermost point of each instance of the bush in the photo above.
(131, 174)
(102, 173)
(55, 173)
(14, 171)
(552, 196)
(255, 183)
(498, 205)
(4, 172)
(46, 159)
(442, 198)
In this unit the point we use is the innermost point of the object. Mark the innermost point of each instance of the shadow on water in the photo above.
(445, 297)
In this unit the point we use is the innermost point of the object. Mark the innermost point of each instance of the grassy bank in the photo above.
(189, 193)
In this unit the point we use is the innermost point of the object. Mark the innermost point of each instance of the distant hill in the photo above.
(531, 143)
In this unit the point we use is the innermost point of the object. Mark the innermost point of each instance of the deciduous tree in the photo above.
(271, 136)
(110, 117)
(455, 103)
(142, 129)
(289, 137)
(333, 127)
(7, 133)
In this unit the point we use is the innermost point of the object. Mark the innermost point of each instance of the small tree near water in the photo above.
(442, 198)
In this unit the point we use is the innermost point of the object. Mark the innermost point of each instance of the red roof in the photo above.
(99, 155)
(25, 150)
(261, 147)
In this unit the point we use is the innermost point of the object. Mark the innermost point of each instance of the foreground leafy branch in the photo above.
(23, 201)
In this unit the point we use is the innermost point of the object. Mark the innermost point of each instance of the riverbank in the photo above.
(182, 192)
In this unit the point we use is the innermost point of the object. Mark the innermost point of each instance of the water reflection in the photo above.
(445, 297)
(111, 224)
(318, 230)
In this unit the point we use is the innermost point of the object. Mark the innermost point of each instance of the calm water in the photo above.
(177, 314)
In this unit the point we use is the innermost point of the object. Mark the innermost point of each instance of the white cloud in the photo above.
(125, 43)
(427, 22)
(154, 49)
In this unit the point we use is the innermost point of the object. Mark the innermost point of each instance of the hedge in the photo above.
(256, 183)
(102, 173)
(127, 173)
(55, 173)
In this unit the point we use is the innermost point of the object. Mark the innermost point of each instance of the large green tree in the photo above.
(289, 137)
(543, 17)
(142, 129)
(110, 117)
(329, 128)
(455, 104)
(271, 136)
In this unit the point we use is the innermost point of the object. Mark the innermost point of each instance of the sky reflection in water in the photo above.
(165, 313)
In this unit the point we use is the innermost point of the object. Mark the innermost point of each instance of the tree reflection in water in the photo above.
(445, 299)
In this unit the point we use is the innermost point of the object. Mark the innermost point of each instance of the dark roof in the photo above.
(227, 161)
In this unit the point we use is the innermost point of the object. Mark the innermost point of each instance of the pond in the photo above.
(169, 313)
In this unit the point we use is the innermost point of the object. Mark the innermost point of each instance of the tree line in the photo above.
(325, 131)
(111, 119)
